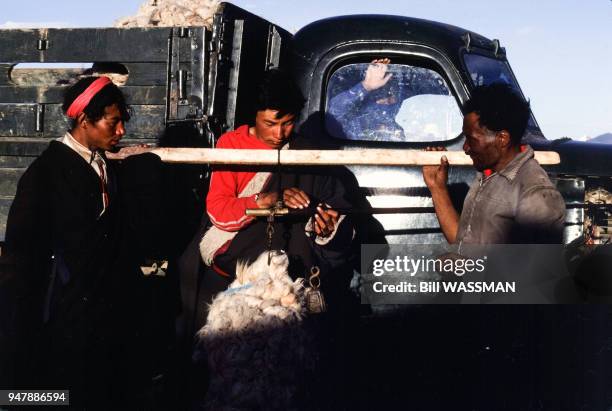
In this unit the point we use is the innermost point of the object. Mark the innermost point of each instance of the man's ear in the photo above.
(504, 138)
(81, 120)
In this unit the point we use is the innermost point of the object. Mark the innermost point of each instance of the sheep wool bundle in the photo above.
(171, 13)
(258, 352)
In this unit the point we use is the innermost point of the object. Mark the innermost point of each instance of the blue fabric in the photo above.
(355, 115)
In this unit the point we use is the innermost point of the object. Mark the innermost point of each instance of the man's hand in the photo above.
(267, 200)
(292, 197)
(295, 198)
(436, 177)
(376, 75)
(325, 221)
(128, 151)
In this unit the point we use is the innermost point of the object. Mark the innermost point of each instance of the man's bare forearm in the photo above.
(446, 213)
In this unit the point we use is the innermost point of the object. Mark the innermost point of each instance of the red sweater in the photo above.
(225, 209)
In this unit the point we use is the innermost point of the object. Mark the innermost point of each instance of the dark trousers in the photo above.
(199, 284)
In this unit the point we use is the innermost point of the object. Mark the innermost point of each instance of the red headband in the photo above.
(79, 104)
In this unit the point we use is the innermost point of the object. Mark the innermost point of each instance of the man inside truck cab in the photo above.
(512, 200)
(368, 108)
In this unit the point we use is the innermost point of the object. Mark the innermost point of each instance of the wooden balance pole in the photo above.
(383, 157)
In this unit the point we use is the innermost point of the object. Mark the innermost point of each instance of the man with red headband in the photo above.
(73, 277)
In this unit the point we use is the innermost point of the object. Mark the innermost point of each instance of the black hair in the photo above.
(499, 108)
(279, 92)
(109, 95)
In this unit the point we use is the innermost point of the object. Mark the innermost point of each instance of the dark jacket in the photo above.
(76, 289)
(289, 234)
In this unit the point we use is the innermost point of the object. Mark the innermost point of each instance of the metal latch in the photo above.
(42, 44)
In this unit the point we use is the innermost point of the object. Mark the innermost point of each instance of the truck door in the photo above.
(243, 47)
(418, 107)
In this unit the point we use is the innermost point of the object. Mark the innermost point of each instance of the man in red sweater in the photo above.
(321, 237)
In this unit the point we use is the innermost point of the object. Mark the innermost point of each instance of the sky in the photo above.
(560, 50)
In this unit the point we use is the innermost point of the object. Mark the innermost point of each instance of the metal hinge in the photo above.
(43, 43)
(496, 46)
(40, 118)
(183, 32)
(467, 40)
(216, 41)
(274, 47)
(181, 77)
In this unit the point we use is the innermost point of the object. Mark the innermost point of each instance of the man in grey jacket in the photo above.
(512, 199)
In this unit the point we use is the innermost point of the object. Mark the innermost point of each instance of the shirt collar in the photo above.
(81, 150)
(513, 167)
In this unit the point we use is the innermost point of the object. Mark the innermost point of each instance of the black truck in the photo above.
(202, 80)
(188, 85)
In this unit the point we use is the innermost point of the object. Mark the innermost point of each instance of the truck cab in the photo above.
(433, 68)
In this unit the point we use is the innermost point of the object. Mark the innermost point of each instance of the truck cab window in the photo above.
(414, 105)
(486, 70)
